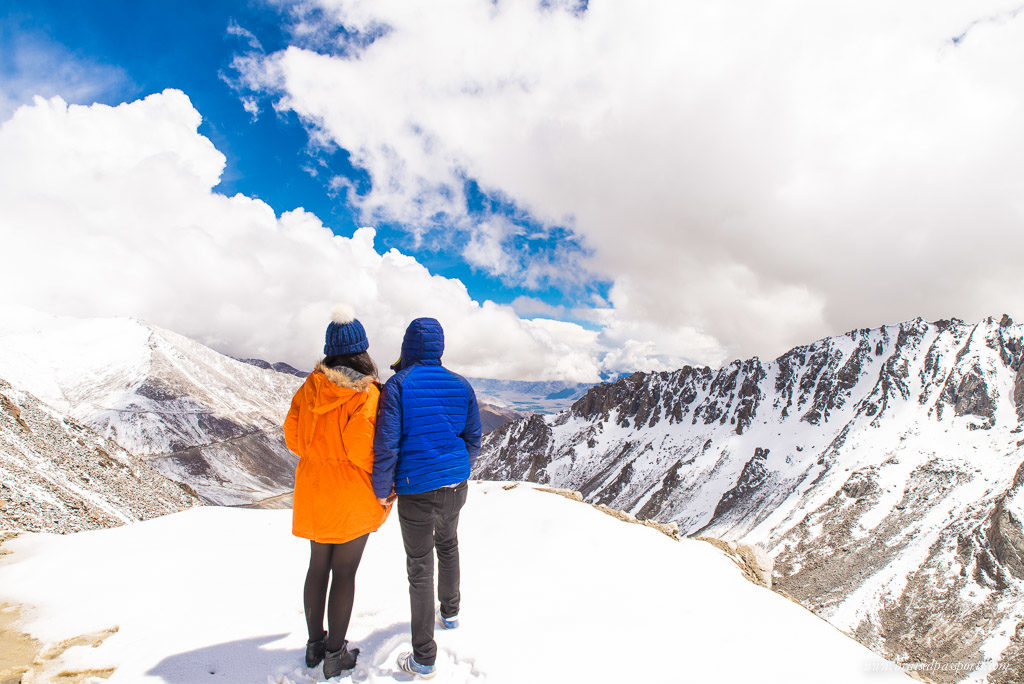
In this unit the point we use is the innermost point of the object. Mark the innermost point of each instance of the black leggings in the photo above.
(338, 562)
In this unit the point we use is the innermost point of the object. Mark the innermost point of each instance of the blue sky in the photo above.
(579, 189)
(133, 49)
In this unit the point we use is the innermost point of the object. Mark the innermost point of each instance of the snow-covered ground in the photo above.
(553, 591)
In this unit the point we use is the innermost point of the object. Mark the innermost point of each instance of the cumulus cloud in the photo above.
(110, 211)
(749, 175)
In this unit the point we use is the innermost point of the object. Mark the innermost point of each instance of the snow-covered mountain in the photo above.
(57, 475)
(545, 581)
(881, 469)
(199, 417)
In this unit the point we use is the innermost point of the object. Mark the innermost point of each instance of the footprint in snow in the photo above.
(378, 653)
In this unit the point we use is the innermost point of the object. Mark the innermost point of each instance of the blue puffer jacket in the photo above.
(428, 423)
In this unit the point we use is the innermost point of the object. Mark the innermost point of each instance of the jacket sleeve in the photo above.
(387, 438)
(471, 434)
(357, 435)
(291, 424)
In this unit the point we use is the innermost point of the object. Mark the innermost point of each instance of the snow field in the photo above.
(553, 591)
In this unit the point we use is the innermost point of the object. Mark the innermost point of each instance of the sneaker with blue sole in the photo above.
(407, 663)
(448, 622)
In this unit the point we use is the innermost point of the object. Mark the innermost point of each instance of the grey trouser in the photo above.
(431, 520)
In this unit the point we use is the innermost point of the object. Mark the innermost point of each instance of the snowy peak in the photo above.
(199, 395)
(957, 366)
(202, 418)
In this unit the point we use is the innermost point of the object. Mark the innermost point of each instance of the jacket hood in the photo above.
(423, 341)
(335, 386)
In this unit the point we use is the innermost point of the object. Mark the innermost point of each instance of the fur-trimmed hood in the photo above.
(329, 388)
(346, 377)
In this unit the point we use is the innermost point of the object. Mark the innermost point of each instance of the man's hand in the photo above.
(389, 500)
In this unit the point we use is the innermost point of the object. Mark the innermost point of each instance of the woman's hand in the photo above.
(389, 500)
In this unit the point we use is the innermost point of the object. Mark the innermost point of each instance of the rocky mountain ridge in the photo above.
(879, 468)
(58, 475)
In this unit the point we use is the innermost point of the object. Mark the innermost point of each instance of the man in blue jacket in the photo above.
(427, 439)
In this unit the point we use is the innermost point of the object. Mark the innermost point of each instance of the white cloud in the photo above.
(750, 175)
(238, 31)
(110, 211)
(532, 306)
(252, 106)
(34, 65)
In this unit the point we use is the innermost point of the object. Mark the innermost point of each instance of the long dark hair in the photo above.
(361, 363)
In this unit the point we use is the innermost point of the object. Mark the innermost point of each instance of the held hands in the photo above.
(389, 500)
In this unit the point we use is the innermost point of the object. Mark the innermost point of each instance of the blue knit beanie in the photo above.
(345, 335)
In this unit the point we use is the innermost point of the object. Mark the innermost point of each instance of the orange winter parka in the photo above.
(330, 427)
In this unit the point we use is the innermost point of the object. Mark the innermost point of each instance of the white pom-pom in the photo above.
(343, 313)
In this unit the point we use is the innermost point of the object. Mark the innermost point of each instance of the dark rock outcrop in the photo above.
(971, 396)
(752, 477)
(519, 451)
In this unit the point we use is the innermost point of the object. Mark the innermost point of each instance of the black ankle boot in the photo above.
(336, 662)
(315, 651)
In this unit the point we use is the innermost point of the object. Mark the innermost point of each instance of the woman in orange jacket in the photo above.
(330, 426)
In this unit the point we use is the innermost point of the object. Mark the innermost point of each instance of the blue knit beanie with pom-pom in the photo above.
(345, 335)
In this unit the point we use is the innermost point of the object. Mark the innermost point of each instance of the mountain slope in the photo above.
(57, 475)
(878, 468)
(544, 581)
(493, 417)
(202, 418)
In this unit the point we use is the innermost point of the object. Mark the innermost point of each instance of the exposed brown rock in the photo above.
(90, 482)
(1005, 533)
(752, 560)
(1018, 391)
(668, 529)
(493, 417)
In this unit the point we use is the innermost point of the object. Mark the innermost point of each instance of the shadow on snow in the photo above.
(249, 660)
